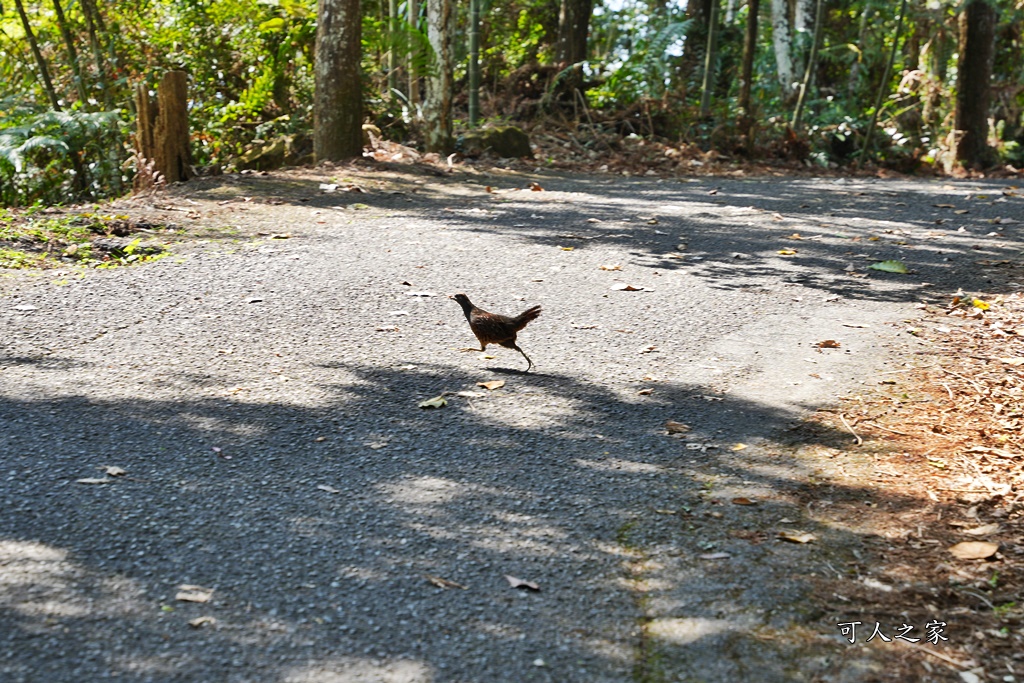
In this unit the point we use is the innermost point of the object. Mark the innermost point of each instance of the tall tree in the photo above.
(974, 92)
(69, 45)
(782, 41)
(337, 102)
(710, 60)
(437, 108)
(95, 25)
(747, 72)
(414, 73)
(697, 13)
(44, 70)
(812, 64)
(573, 27)
(474, 62)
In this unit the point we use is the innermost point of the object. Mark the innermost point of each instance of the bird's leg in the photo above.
(482, 349)
(529, 362)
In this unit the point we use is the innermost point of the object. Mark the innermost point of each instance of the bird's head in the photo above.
(463, 301)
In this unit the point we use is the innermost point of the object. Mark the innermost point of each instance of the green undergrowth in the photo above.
(31, 239)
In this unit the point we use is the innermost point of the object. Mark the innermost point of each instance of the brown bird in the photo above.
(492, 328)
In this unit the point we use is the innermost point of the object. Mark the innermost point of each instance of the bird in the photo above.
(493, 328)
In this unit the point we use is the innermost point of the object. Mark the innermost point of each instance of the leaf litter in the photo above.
(944, 436)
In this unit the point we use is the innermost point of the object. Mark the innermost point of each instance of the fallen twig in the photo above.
(847, 425)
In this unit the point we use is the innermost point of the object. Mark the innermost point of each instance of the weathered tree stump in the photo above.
(162, 140)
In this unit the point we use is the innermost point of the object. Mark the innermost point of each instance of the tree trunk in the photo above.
(803, 18)
(474, 62)
(855, 69)
(171, 141)
(437, 108)
(782, 41)
(573, 26)
(162, 142)
(94, 25)
(414, 74)
(812, 64)
(44, 71)
(974, 74)
(710, 60)
(69, 45)
(883, 87)
(337, 101)
(392, 48)
(749, 50)
(697, 12)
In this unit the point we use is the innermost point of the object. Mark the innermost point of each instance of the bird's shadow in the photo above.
(513, 371)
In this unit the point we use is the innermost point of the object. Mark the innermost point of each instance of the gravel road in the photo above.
(261, 397)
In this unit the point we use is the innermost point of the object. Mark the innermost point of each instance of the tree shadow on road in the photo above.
(318, 529)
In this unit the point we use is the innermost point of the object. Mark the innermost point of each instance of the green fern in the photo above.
(44, 157)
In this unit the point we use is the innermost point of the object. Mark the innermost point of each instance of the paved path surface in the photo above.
(265, 413)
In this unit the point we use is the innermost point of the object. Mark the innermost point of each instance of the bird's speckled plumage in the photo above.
(494, 328)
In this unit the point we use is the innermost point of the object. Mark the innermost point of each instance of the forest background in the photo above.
(921, 87)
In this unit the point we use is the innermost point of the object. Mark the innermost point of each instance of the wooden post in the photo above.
(162, 136)
(170, 135)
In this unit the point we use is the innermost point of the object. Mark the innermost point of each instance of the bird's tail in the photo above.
(530, 314)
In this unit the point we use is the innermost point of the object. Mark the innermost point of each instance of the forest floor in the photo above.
(739, 441)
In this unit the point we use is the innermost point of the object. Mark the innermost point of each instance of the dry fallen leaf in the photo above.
(93, 480)
(490, 190)
(201, 621)
(738, 447)
(787, 252)
(674, 427)
(623, 287)
(743, 501)
(613, 267)
(797, 537)
(436, 402)
(328, 489)
(115, 471)
(974, 550)
(828, 344)
(191, 593)
(983, 530)
(443, 583)
(535, 187)
(521, 583)
(492, 385)
(645, 392)
(1013, 361)
(715, 556)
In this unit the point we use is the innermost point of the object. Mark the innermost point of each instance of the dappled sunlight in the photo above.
(35, 581)
(688, 631)
(359, 670)
(620, 465)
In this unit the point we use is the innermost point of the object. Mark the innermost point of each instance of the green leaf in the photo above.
(272, 25)
(889, 266)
